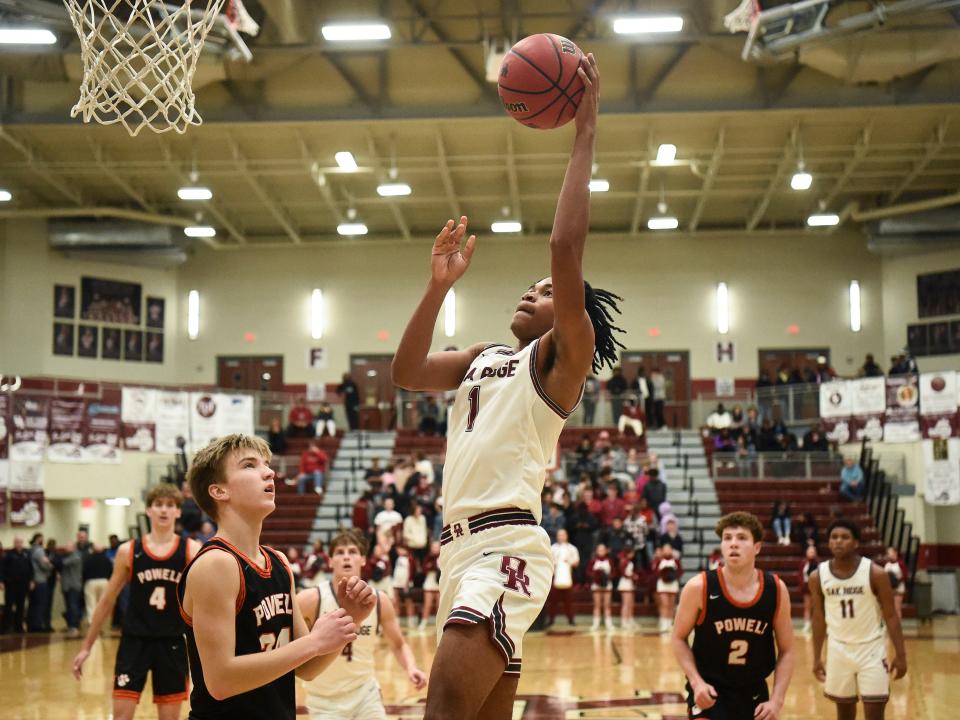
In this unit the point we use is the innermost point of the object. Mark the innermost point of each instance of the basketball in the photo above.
(539, 85)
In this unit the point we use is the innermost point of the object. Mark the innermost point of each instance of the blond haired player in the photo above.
(152, 640)
(511, 404)
(348, 689)
(851, 599)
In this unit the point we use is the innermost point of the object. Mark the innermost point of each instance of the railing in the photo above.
(763, 465)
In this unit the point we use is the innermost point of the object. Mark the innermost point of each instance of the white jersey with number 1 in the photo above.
(501, 434)
(850, 605)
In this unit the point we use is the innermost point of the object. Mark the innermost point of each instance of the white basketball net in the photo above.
(741, 17)
(139, 57)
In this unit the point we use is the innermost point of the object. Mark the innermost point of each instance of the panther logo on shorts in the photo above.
(123, 679)
(517, 579)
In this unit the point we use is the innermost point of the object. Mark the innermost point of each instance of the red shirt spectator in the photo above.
(360, 517)
(314, 459)
(612, 507)
(593, 505)
(301, 422)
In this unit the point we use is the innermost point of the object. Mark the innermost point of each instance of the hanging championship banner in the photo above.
(3, 505)
(138, 415)
(4, 445)
(101, 442)
(941, 471)
(172, 419)
(902, 420)
(836, 407)
(29, 433)
(237, 414)
(869, 400)
(26, 493)
(213, 415)
(66, 430)
(938, 405)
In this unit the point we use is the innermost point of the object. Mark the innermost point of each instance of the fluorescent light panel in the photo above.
(450, 313)
(663, 222)
(666, 153)
(855, 306)
(801, 181)
(355, 32)
(823, 220)
(598, 185)
(5, 196)
(200, 231)
(316, 314)
(649, 24)
(194, 193)
(117, 501)
(26, 36)
(393, 189)
(723, 309)
(346, 161)
(352, 229)
(506, 226)
(193, 315)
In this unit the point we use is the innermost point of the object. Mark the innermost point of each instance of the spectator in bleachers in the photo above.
(615, 537)
(325, 424)
(388, 520)
(807, 530)
(389, 476)
(313, 468)
(640, 393)
(585, 525)
(437, 528)
(415, 535)
(293, 561)
(737, 421)
(617, 390)
(851, 480)
(592, 504)
(191, 516)
(431, 583)
(723, 441)
(553, 520)
(591, 393)
(719, 419)
(626, 585)
(423, 492)
(424, 466)
(715, 559)
(360, 514)
(317, 566)
(349, 395)
(207, 531)
(630, 417)
(277, 438)
(767, 440)
(602, 572)
(672, 537)
(896, 571)
(658, 394)
(182, 462)
(870, 368)
(429, 415)
(668, 571)
(903, 364)
(807, 566)
(814, 440)
(379, 569)
(654, 491)
(612, 506)
(785, 376)
(374, 475)
(781, 521)
(824, 372)
(300, 422)
(632, 465)
(602, 442)
(566, 558)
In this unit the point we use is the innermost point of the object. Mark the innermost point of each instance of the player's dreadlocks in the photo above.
(598, 304)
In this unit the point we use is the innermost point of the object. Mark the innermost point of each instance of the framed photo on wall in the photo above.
(64, 301)
(154, 351)
(62, 338)
(917, 340)
(110, 301)
(87, 338)
(110, 347)
(938, 338)
(155, 312)
(955, 337)
(133, 345)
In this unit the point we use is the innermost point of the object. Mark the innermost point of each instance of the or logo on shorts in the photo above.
(457, 530)
(123, 680)
(517, 579)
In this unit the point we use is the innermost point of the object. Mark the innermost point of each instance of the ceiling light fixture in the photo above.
(5, 196)
(823, 220)
(355, 32)
(393, 189)
(801, 180)
(598, 185)
(354, 228)
(194, 193)
(346, 161)
(26, 36)
(855, 306)
(662, 221)
(666, 153)
(649, 24)
(506, 226)
(200, 231)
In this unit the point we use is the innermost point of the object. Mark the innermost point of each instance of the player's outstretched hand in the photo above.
(767, 711)
(418, 677)
(819, 672)
(704, 695)
(899, 667)
(448, 262)
(332, 631)
(589, 107)
(78, 662)
(356, 597)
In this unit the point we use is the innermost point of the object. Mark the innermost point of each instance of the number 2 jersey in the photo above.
(501, 435)
(263, 622)
(153, 610)
(733, 643)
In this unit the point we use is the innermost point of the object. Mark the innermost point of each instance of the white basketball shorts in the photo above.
(857, 670)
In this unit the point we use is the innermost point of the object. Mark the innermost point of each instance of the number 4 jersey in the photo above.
(501, 435)
(153, 611)
(733, 643)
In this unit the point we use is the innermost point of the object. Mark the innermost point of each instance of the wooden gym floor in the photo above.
(566, 674)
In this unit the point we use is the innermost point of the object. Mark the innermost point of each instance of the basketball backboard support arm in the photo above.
(779, 31)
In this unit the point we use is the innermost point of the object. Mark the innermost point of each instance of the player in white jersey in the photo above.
(852, 600)
(348, 688)
(511, 404)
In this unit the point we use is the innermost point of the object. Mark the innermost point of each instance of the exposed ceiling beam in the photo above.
(319, 179)
(446, 177)
(101, 159)
(478, 77)
(37, 166)
(272, 207)
(359, 90)
(512, 181)
(641, 189)
(222, 219)
(787, 161)
(708, 180)
(933, 146)
(774, 93)
(644, 97)
(584, 18)
(859, 153)
(391, 203)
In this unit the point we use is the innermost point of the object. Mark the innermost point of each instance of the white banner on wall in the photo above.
(869, 395)
(941, 471)
(173, 419)
(213, 415)
(836, 407)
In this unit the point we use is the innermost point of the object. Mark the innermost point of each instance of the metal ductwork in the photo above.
(130, 243)
(918, 232)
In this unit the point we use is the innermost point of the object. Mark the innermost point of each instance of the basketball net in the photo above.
(139, 58)
(741, 17)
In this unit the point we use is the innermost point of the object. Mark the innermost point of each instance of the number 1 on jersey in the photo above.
(846, 608)
(474, 407)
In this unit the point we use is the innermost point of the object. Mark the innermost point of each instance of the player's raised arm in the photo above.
(104, 609)
(688, 613)
(786, 657)
(884, 592)
(401, 650)
(414, 366)
(573, 335)
(819, 622)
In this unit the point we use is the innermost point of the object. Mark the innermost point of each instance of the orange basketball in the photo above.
(538, 84)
